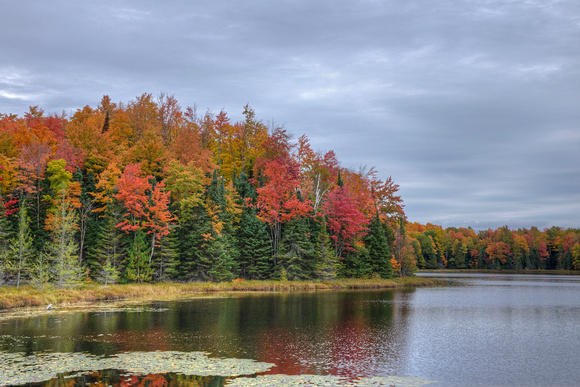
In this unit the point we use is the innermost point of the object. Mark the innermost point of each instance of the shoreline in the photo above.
(501, 271)
(88, 294)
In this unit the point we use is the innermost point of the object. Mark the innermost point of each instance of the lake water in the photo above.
(481, 330)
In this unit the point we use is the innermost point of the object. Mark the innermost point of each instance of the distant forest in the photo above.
(150, 191)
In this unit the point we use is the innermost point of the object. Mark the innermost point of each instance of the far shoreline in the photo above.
(501, 271)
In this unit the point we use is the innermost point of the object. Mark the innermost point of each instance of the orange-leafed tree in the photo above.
(147, 205)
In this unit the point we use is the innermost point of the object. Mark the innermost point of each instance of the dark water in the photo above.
(483, 330)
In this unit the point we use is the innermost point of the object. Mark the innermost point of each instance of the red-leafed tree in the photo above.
(345, 222)
(278, 201)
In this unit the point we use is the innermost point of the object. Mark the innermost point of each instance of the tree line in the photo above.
(553, 248)
(150, 191)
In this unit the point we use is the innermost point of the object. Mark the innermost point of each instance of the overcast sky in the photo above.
(472, 106)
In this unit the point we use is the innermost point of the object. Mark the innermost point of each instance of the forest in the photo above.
(148, 191)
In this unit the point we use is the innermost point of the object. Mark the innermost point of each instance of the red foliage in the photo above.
(345, 222)
(277, 200)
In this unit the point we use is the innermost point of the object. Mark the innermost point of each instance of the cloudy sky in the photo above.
(472, 106)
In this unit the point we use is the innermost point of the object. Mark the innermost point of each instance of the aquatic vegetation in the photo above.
(16, 368)
(110, 308)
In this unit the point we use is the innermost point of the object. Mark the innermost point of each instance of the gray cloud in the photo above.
(471, 105)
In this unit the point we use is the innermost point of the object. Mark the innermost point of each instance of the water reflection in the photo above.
(341, 333)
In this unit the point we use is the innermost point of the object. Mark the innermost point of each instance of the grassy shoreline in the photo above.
(92, 293)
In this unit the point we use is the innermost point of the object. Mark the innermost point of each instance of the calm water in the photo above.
(482, 330)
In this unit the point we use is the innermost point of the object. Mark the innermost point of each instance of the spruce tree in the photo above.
(377, 246)
(194, 262)
(355, 264)
(254, 249)
(5, 234)
(108, 273)
(111, 246)
(40, 272)
(223, 265)
(21, 246)
(138, 268)
(165, 259)
(326, 261)
(296, 253)
(244, 188)
(62, 222)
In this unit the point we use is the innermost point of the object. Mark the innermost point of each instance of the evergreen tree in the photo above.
(254, 247)
(111, 246)
(378, 248)
(40, 272)
(108, 274)
(223, 264)
(5, 233)
(244, 188)
(21, 245)
(194, 262)
(90, 224)
(326, 261)
(165, 259)
(355, 264)
(62, 222)
(138, 268)
(296, 253)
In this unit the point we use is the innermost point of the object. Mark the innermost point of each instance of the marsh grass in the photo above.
(90, 292)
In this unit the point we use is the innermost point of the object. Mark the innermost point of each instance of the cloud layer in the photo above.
(471, 105)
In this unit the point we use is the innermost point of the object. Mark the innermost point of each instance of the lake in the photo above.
(480, 330)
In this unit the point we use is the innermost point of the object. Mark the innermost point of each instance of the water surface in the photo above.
(482, 330)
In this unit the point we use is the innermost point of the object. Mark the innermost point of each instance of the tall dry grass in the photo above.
(28, 296)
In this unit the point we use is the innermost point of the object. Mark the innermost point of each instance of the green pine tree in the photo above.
(21, 246)
(223, 264)
(5, 234)
(355, 264)
(108, 274)
(326, 261)
(111, 245)
(244, 188)
(296, 252)
(193, 255)
(40, 272)
(165, 258)
(255, 254)
(377, 246)
(138, 268)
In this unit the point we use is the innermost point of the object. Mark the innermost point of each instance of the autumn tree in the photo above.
(147, 205)
(277, 201)
(346, 223)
